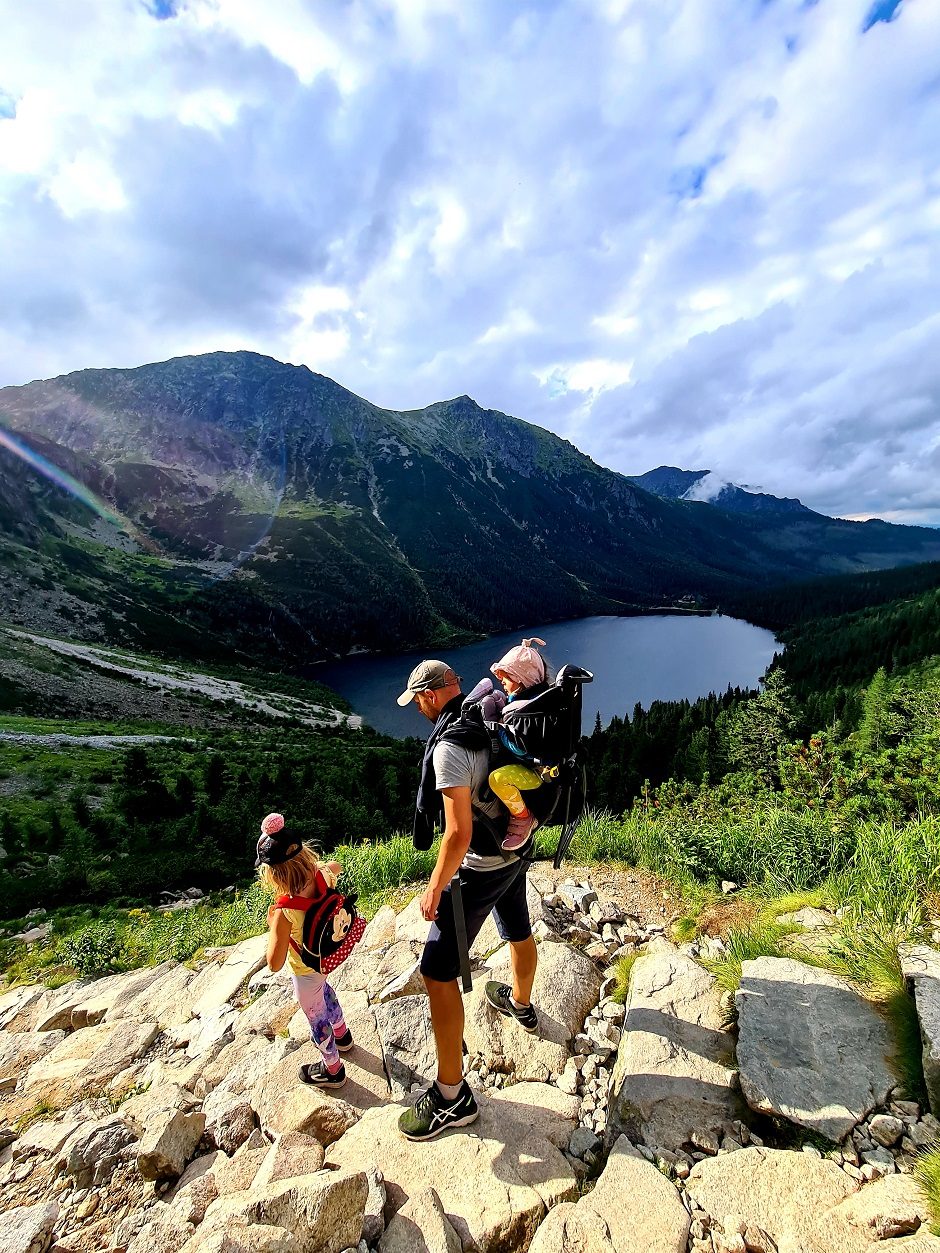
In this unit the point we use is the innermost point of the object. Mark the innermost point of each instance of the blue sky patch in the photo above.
(686, 181)
(7, 105)
(881, 11)
(161, 9)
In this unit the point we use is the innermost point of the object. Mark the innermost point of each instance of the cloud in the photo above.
(701, 232)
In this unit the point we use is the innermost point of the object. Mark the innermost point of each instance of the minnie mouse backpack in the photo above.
(331, 929)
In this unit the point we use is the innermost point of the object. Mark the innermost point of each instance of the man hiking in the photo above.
(454, 772)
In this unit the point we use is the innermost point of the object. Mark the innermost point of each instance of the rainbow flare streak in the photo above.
(67, 482)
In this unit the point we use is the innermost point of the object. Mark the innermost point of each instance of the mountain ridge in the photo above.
(706, 487)
(342, 525)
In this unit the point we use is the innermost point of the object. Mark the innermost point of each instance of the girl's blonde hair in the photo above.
(291, 877)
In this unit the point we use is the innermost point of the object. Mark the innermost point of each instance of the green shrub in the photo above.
(93, 951)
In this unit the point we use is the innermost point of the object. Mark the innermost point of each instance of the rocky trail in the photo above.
(159, 1111)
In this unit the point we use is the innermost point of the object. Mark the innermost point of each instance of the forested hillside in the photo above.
(838, 633)
(228, 505)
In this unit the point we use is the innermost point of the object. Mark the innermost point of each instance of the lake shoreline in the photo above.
(638, 658)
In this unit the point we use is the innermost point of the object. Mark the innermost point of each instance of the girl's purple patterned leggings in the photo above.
(322, 1010)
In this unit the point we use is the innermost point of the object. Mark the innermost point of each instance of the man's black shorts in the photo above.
(500, 891)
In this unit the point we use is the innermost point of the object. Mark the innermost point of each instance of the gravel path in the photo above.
(86, 741)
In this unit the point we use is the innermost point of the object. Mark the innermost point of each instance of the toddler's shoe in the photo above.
(318, 1075)
(344, 1042)
(519, 830)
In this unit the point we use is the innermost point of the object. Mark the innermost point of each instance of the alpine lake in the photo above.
(634, 661)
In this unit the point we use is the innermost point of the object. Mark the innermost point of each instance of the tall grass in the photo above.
(881, 870)
(761, 937)
(927, 1174)
(375, 866)
(92, 942)
(867, 955)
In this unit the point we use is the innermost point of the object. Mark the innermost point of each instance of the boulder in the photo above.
(242, 1237)
(810, 1048)
(495, 1180)
(404, 1028)
(410, 924)
(292, 1154)
(20, 1049)
(380, 931)
(781, 1192)
(216, 985)
(210, 1034)
(810, 919)
(91, 1154)
(398, 973)
(53, 1010)
(169, 1144)
(269, 1013)
(234, 1071)
(674, 1074)
(660, 1224)
(543, 1107)
(237, 1173)
(197, 1188)
(167, 999)
(920, 966)
(566, 987)
(232, 1124)
(88, 1060)
(373, 1222)
(28, 1228)
(283, 1103)
(883, 1210)
(19, 1008)
(44, 1139)
(571, 1228)
(324, 1211)
(420, 1226)
(164, 1232)
(91, 1003)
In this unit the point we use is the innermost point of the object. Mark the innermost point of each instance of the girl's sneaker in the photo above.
(318, 1075)
(519, 830)
(344, 1042)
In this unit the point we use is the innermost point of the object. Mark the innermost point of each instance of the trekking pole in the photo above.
(460, 927)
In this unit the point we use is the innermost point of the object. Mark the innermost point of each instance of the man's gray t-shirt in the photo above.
(455, 766)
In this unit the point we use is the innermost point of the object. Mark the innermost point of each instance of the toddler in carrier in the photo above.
(291, 868)
(523, 676)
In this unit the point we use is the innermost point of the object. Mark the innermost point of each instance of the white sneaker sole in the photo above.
(439, 1131)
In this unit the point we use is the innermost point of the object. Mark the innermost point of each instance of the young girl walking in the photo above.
(289, 867)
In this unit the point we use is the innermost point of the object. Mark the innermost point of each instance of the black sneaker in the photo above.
(344, 1042)
(498, 995)
(433, 1113)
(318, 1075)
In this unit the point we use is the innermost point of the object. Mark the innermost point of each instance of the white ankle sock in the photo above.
(515, 1004)
(449, 1090)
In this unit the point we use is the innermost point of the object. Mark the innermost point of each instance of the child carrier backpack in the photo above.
(332, 926)
(547, 730)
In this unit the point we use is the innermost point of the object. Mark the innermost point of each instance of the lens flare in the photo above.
(68, 483)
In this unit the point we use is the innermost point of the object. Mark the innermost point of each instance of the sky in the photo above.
(703, 233)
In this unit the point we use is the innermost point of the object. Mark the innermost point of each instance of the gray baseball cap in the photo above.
(425, 677)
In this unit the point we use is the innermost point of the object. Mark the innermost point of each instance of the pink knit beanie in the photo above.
(523, 663)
